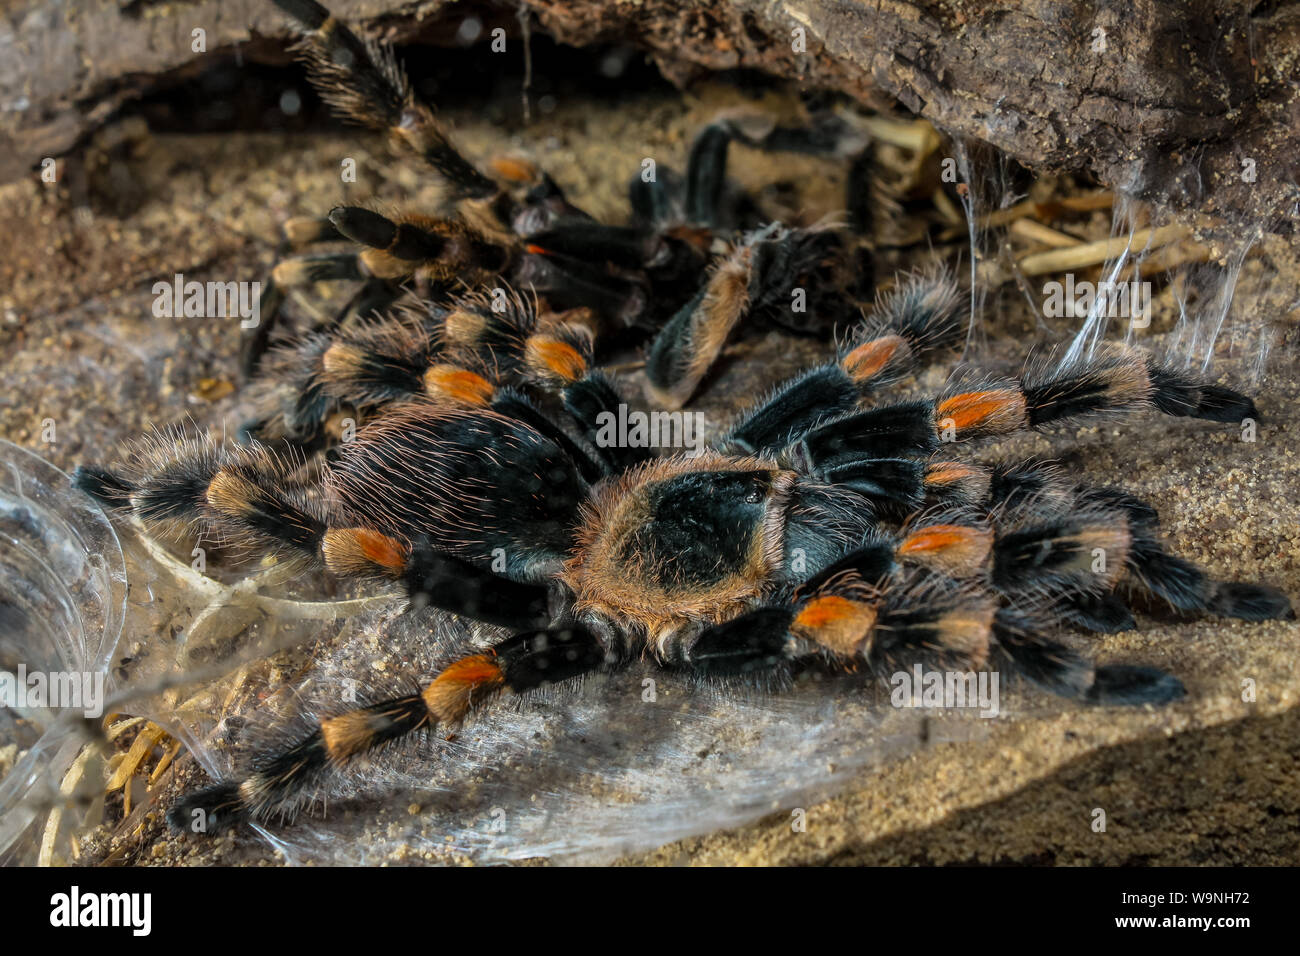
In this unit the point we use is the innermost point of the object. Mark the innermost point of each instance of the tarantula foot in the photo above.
(102, 485)
(1219, 404)
(364, 226)
(209, 811)
(1251, 602)
(1176, 394)
(1125, 684)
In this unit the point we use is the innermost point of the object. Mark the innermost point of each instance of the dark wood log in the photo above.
(1193, 104)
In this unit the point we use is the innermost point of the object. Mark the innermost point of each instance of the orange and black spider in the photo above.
(820, 531)
(690, 265)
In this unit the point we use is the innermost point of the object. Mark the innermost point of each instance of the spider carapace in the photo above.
(826, 528)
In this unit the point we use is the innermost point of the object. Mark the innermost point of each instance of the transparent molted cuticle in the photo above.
(63, 576)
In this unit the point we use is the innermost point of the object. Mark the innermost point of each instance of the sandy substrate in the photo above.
(1210, 780)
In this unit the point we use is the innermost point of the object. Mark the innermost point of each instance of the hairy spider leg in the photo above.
(838, 615)
(472, 511)
(917, 318)
(706, 168)
(883, 453)
(279, 784)
(295, 272)
(1119, 381)
(477, 352)
(756, 278)
(363, 81)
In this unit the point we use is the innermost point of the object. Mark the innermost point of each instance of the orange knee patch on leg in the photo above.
(869, 359)
(953, 549)
(465, 327)
(342, 360)
(452, 692)
(358, 551)
(301, 230)
(958, 478)
(337, 424)
(554, 359)
(950, 473)
(966, 631)
(1099, 548)
(837, 623)
(292, 272)
(993, 412)
(383, 265)
(458, 385)
(347, 734)
(513, 170)
(230, 494)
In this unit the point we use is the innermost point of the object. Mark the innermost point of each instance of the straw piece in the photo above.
(1095, 253)
(1035, 231)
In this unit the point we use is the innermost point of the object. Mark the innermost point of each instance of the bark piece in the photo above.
(1194, 105)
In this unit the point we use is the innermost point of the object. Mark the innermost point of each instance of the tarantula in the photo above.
(816, 532)
(823, 529)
